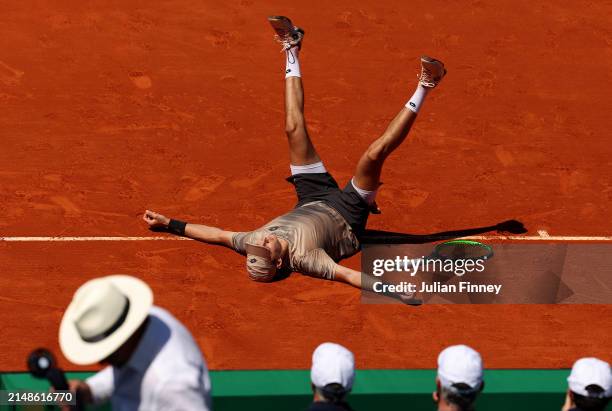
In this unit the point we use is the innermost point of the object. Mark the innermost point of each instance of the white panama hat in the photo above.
(102, 316)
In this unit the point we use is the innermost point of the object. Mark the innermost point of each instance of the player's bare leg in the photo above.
(301, 149)
(367, 175)
(369, 167)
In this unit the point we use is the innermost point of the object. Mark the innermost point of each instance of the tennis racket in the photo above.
(461, 250)
(457, 256)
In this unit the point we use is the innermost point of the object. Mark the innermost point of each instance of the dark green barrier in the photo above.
(374, 389)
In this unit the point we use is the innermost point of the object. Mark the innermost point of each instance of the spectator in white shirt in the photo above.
(153, 361)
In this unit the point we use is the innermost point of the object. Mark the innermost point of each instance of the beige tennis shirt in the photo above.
(317, 234)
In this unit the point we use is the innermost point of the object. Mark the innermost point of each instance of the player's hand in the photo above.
(409, 298)
(155, 220)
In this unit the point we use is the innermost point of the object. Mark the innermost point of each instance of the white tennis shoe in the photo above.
(287, 34)
(432, 72)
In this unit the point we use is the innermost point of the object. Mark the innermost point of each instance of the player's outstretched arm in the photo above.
(366, 282)
(200, 232)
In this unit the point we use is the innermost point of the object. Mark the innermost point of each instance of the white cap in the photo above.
(460, 364)
(332, 363)
(590, 371)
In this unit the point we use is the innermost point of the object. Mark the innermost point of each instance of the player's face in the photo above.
(271, 243)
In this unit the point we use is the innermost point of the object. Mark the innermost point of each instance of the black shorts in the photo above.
(322, 187)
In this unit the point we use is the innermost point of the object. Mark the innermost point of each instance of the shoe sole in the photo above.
(431, 60)
(282, 26)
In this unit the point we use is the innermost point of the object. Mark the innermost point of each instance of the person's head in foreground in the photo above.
(105, 320)
(266, 258)
(590, 386)
(153, 362)
(459, 379)
(332, 374)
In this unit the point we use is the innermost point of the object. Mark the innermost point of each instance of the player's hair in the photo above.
(594, 402)
(461, 395)
(334, 393)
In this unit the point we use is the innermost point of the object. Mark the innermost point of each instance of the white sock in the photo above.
(292, 68)
(368, 196)
(313, 168)
(417, 98)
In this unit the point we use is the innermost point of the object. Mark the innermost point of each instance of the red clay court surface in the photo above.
(178, 107)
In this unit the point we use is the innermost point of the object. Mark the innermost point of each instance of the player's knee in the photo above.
(290, 128)
(376, 153)
(294, 123)
(293, 127)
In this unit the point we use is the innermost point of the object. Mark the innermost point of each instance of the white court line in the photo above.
(174, 238)
(542, 236)
(539, 238)
(62, 239)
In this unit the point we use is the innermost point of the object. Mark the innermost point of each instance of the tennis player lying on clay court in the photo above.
(325, 225)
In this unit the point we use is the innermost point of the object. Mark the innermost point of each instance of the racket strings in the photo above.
(462, 251)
